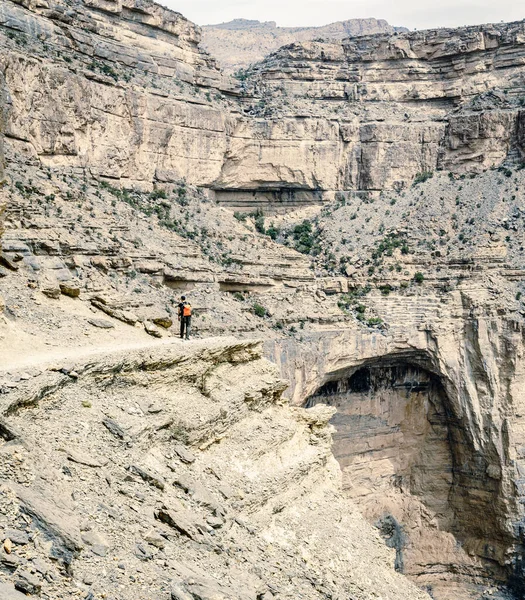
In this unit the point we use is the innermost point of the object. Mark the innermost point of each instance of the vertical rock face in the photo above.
(131, 96)
(399, 105)
(428, 432)
(393, 444)
(116, 87)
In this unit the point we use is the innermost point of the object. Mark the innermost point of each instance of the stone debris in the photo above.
(130, 520)
(7, 431)
(27, 583)
(185, 455)
(70, 289)
(152, 329)
(8, 592)
(20, 538)
(147, 476)
(8, 546)
(114, 428)
(101, 324)
(84, 459)
(183, 521)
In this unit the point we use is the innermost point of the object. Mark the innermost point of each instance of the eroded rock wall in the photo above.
(131, 96)
(3, 194)
(243, 42)
(120, 95)
(199, 479)
(427, 418)
(399, 105)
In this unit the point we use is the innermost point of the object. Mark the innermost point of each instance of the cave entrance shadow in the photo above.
(401, 447)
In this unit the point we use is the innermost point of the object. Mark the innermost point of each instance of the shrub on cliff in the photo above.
(259, 310)
(259, 223)
(423, 176)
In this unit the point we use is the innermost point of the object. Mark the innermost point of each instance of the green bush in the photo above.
(419, 278)
(422, 177)
(259, 223)
(241, 74)
(374, 322)
(157, 194)
(273, 232)
(259, 310)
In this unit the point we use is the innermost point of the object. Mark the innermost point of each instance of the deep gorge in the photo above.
(358, 205)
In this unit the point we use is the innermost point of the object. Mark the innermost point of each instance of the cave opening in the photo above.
(406, 458)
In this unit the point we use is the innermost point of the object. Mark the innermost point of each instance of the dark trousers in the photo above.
(185, 327)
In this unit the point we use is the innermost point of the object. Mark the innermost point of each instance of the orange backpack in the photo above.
(186, 310)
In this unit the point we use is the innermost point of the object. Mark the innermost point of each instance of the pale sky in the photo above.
(422, 14)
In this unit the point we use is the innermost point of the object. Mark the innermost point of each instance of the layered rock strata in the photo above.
(393, 106)
(189, 502)
(242, 42)
(110, 105)
(132, 96)
(105, 106)
(3, 194)
(428, 430)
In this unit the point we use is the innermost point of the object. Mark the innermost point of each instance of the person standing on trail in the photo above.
(184, 318)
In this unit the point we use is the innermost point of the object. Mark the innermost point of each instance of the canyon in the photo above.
(355, 203)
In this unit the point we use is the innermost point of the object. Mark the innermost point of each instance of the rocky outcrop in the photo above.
(400, 301)
(242, 42)
(427, 429)
(212, 486)
(394, 105)
(425, 64)
(3, 195)
(133, 99)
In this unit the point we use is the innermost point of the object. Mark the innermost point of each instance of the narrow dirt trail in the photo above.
(42, 358)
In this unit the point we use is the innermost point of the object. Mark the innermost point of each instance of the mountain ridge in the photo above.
(241, 42)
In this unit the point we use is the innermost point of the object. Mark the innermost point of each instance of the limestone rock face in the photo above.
(89, 117)
(3, 195)
(242, 42)
(445, 107)
(398, 302)
(427, 429)
(131, 95)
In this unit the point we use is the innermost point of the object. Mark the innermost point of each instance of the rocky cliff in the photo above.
(427, 427)
(200, 483)
(385, 108)
(242, 42)
(384, 269)
(132, 98)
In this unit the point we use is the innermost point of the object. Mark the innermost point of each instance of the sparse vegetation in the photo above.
(422, 177)
(259, 310)
(259, 222)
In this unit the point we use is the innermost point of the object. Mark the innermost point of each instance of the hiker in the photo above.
(184, 318)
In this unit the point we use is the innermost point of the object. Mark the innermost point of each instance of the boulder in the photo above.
(70, 288)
